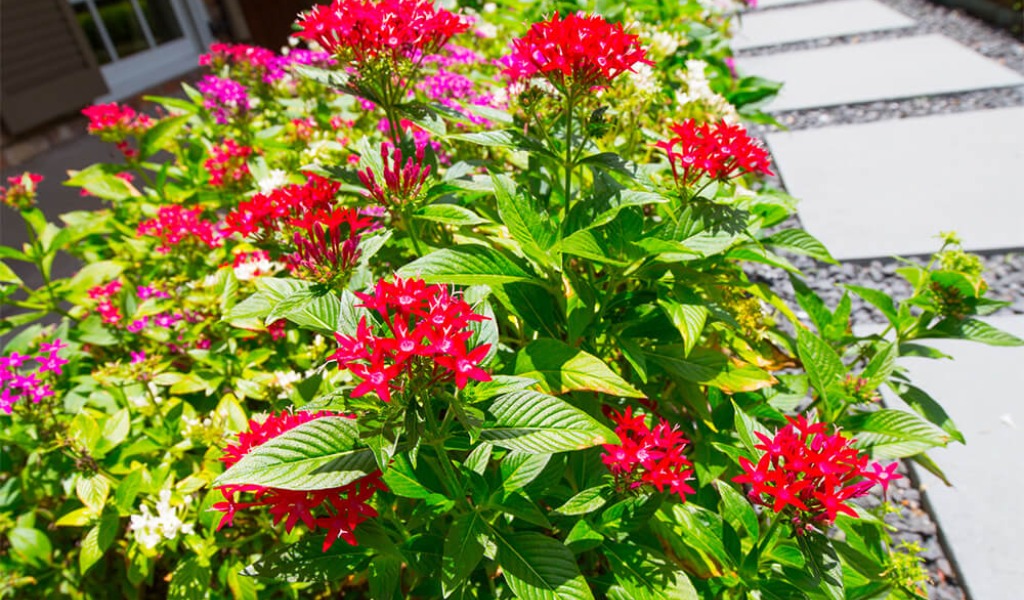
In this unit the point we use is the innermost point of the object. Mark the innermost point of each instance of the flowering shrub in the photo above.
(454, 304)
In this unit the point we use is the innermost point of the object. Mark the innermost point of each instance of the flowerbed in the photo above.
(452, 306)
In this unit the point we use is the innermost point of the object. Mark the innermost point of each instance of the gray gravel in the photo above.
(930, 18)
(1004, 269)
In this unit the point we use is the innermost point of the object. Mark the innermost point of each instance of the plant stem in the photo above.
(570, 102)
(436, 441)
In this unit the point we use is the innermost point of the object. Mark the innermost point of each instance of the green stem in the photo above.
(570, 102)
(37, 259)
(436, 440)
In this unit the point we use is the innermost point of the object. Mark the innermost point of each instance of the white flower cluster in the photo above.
(275, 178)
(645, 80)
(659, 43)
(166, 524)
(256, 267)
(698, 90)
(140, 400)
(284, 382)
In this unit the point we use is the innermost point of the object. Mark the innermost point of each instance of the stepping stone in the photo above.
(980, 516)
(888, 188)
(829, 19)
(901, 68)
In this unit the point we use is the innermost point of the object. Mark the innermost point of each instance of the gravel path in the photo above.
(1004, 269)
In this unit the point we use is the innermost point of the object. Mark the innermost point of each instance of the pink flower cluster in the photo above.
(227, 164)
(224, 98)
(337, 511)
(327, 243)
(21, 191)
(574, 53)
(646, 456)
(16, 383)
(811, 473)
(426, 332)
(104, 295)
(254, 62)
(175, 224)
(717, 150)
(115, 123)
(361, 31)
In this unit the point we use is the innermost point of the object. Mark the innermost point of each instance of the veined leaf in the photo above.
(561, 368)
(538, 567)
(525, 222)
(540, 424)
(824, 562)
(463, 549)
(466, 265)
(972, 330)
(316, 455)
(449, 214)
(801, 242)
(519, 468)
(645, 575)
(584, 502)
(708, 367)
(821, 362)
(688, 319)
(308, 561)
(890, 433)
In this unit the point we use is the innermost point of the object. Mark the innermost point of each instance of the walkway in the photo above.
(884, 183)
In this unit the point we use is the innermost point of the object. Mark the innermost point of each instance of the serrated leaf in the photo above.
(541, 424)
(93, 490)
(538, 567)
(463, 550)
(561, 368)
(519, 468)
(466, 265)
(319, 454)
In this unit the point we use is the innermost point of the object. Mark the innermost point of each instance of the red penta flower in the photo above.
(361, 31)
(402, 184)
(338, 511)
(425, 332)
(646, 456)
(574, 53)
(810, 474)
(176, 224)
(267, 213)
(227, 164)
(717, 150)
(20, 194)
(113, 123)
(327, 243)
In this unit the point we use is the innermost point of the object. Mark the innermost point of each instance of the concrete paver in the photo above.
(889, 188)
(775, 3)
(828, 19)
(900, 68)
(983, 391)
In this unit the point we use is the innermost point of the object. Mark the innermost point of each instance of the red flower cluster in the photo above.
(265, 213)
(338, 511)
(109, 311)
(426, 337)
(361, 31)
(227, 165)
(648, 456)
(812, 473)
(718, 150)
(574, 53)
(113, 123)
(402, 184)
(327, 243)
(21, 193)
(176, 224)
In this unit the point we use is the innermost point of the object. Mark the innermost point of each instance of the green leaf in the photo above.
(157, 137)
(926, 406)
(526, 223)
(538, 567)
(540, 424)
(101, 181)
(321, 313)
(824, 562)
(7, 274)
(801, 242)
(891, 433)
(821, 362)
(561, 368)
(478, 459)
(645, 575)
(519, 468)
(96, 542)
(881, 365)
(972, 330)
(463, 549)
(385, 576)
(710, 367)
(307, 561)
(696, 528)
(29, 545)
(335, 79)
(402, 480)
(127, 490)
(93, 490)
(316, 455)
(584, 502)
(449, 214)
(466, 265)
(737, 510)
(688, 319)
(190, 581)
(878, 299)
